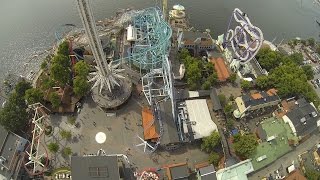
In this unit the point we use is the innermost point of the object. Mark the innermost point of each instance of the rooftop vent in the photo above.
(2, 159)
(303, 120)
(314, 114)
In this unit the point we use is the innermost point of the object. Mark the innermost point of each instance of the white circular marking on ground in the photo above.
(101, 137)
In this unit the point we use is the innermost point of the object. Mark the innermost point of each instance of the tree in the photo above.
(222, 99)
(229, 124)
(64, 48)
(60, 73)
(312, 174)
(231, 97)
(80, 86)
(65, 134)
(263, 82)
(318, 49)
(183, 54)
(33, 96)
(53, 147)
(71, 120)
(210, 142)
(232, 78)
(67, 151)
(268, 59)
(46, 83)
(62, 60)
(228, 109)
(245, 145)
(311, 42)
(214, 158)
(297, 58)
(54, 99)
(82, 69)
(246, 85)
(22, 87)
(13, 116)
(44, 65)
(308, 71)
(206, 85)
(212, 78)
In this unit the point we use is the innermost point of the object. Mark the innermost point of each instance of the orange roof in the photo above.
(149, 128)
(295, 175)
(221, 68)
(256, 96)
(272, 92)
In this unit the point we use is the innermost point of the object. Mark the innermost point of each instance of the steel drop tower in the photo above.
(106, 75)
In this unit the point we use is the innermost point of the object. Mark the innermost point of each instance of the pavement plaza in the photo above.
(121, 131)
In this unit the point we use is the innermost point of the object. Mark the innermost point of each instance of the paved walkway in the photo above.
(287, 159)
(121, 131)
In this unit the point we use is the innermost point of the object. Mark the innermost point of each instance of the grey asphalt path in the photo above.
(286, 159)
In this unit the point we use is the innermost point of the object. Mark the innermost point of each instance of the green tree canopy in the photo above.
(67, 151)
(72, 120)
(222, 99)
(308, 71)
(60, 74)
(33, 96)
(80, 86)
(312, 174)
(46, 83)
(82, 69)
(296, 58)
(232, 78)
(210, 142)
(22, 87)
(214, 158)
(13, 116)
(245, 145)
(62, 60)
(65, 134)
(198, 72)
(183, 54)
(318, 49)
(53, 147)
(290, 80)
(246, 85)
(54, 99)
(311, 42)
(64, 48)
(213, 78)
(44, 65)
(268, 59)
(228, 109)
(206, 85)
(263, 82)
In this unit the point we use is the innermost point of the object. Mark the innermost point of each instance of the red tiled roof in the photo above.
(149, 129)
(221, 68)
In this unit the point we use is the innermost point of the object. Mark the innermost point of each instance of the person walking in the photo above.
(94, 124)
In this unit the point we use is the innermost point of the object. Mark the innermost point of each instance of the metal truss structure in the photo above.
(246, 39)
(150, 53)
(106, 75)
(34, 165)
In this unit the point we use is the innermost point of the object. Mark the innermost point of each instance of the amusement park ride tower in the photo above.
(106, 75)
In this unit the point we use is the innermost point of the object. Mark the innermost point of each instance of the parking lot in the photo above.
(316, 80)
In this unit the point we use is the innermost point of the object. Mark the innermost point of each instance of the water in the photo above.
(28, 27)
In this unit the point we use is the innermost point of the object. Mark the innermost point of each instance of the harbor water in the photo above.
(28, 27)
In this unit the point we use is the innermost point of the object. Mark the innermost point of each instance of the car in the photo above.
(316, 86)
